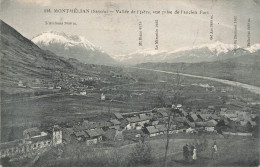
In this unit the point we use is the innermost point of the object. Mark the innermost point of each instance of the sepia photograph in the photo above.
(129, 83)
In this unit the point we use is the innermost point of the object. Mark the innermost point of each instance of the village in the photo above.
(133, 127)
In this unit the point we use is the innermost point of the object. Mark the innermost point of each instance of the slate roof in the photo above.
(86, 125)
(144, 117)
(155, 122)
(32, 132)
(161, 128)
(191, 124)
(194, 116)
(80, 133)
(253, 123)
(133, 119)
(209, 116)
(68, 130)
(211, 123)
(163, 113)
(40, 138)
(184, 113)
(152, 129)
(95, 132)
(118, 116)
(204, 116)
(180, 119)
(115, 127)
(115, 121)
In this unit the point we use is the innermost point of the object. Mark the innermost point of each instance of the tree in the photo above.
(141, 154)
(177, 91)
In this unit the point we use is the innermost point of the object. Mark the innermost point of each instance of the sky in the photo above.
(118, 34)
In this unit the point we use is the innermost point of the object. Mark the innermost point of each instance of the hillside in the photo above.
(26, 68)
(22, 60)
(244, 69)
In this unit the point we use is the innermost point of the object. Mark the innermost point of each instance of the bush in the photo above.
(141, 154)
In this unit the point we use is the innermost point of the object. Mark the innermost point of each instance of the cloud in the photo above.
(37, 2)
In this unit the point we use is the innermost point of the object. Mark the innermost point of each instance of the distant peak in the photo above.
(253, 48)
(218, 47)
(148, 51)
(49, 37)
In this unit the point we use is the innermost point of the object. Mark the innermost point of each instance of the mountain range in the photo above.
(77, 47)
(72, 46)
(201, 53)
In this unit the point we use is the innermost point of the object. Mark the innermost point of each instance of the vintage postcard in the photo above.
(125, 83)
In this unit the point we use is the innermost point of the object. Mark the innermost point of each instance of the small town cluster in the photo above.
(120, 126)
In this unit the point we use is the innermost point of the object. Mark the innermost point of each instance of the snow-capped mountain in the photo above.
(217, 48)
(253, 48)
(205, 52)
(72, 46)
(140, 56)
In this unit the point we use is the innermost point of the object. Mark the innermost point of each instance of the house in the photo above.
(207, 117)
(172, 129)
(232, 117)
(11, 148)
(204, 111)
(253, 116)
(244, 123)
(123, 124)
(31, 132)
(20, 84)
(193, 117)
(67, 132)
(103, 97)
(94, 136)
(113, 135)
(184, 113)
(204, 117)
(252, 123)
(118, 116)
(211, 108)
(223, 109)
(211, 123)
(83, 93)
(190, 124)
(208, 126)
(154, 123)
(119, 135)
(33, 140)
(79, 136)
(209, 129)
(152, 131)
(162, 112)
(89, 125)
(181, 122)
(56, 135)
(161, 129)
(115, 122)
(137, 122)
(41, 141)
(190, 130)
(179, 106)
(132, 122)
(116, 127)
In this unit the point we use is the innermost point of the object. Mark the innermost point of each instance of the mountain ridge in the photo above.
(200, 53)
(72, 46)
